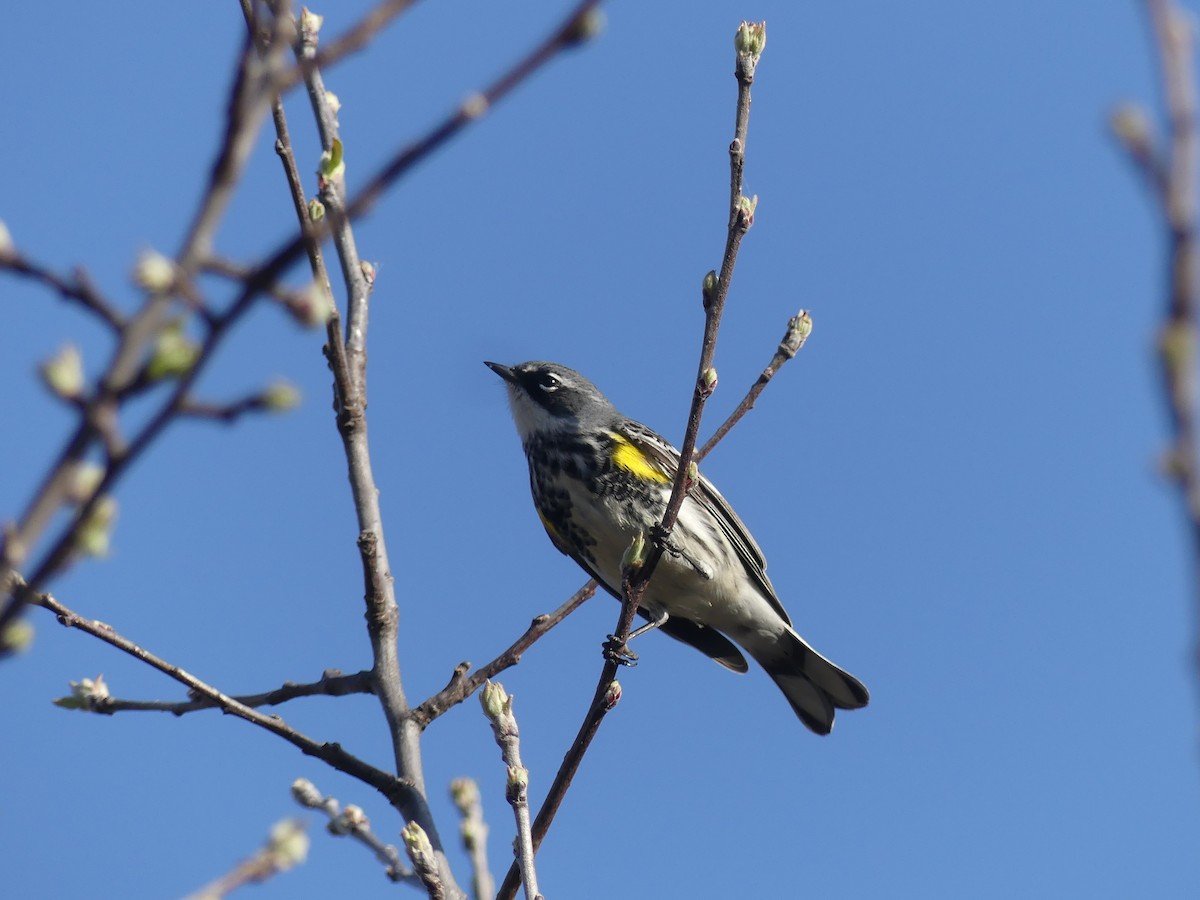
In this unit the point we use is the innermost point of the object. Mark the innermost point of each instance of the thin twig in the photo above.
(352, 822)
(387, 784)
(749, 44)
(50, 495)
(78, 288)
(285, 848)
(497, 706)
(474, 832)
(332, 684)
(244, 115)
(798, 330)
(461, 687)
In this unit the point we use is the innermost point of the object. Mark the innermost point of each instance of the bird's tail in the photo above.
(812, 684)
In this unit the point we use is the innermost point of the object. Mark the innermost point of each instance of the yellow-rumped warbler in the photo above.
(599, 479)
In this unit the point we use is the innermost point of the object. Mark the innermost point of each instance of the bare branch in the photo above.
(387, 784)
(78, 288)
(749, 44)
(798, 330)
(474, 832)
(353, 822)
(286, 848)
(497, 706)
(331, 684)
(461, 687)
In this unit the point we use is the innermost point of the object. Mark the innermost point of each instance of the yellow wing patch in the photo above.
(628, 456)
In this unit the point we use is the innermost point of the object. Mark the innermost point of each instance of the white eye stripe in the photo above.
(549, 382)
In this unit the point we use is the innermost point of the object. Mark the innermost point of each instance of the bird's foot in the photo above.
(619, 652)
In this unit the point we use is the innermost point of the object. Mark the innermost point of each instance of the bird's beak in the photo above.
(505, 372)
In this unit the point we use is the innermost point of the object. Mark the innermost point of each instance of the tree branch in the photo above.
(749, 44)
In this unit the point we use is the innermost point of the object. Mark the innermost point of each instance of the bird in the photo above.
(600, 479)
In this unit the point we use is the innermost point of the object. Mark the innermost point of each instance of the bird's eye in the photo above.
(548, 382)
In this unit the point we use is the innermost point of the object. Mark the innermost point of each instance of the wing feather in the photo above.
(709, 498)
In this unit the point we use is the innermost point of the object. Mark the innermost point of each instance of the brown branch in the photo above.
(462, 687)
(136, 335)
(749, 43)
(473, 829)
(49, 496)
(798, 330)
(331, 684)
(498, 708)
(352, 822)
(387, 784)
(78, 287)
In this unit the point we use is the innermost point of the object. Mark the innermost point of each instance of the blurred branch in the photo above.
(474, 832)
(352, 822)
(244, 112)
(78, 287)
(286, 848)
(162, 282)
(1171, 173)
(462, 687)
(749, 43)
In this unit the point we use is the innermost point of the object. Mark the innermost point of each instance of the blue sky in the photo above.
(955, 482)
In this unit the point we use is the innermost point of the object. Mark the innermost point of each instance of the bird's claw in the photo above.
(619, 652)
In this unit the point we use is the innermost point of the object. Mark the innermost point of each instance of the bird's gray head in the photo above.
(547, 397)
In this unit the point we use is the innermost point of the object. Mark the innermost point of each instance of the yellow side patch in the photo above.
(555, 537)
(627, 456)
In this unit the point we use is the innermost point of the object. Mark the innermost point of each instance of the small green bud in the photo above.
(281, 396)
(745, 212)
(85, 478)
(798, 330)
(94, 535)
(333, 163)
(518, 778)
(63, 373)
(465, 793)
(86, 694)
(17, 637)
(496, 703)
(310, 24)
(154, 272)
(305, 793)
(334, 102)
(416, 842)
(751, 39)
(354, 819)
(708, 381)
(316, 210)
(693, 472)
(288, 845)
(174, 353)
(635, 553)
(709, 288)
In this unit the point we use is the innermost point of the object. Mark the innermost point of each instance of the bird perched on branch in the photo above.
(600, 480)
